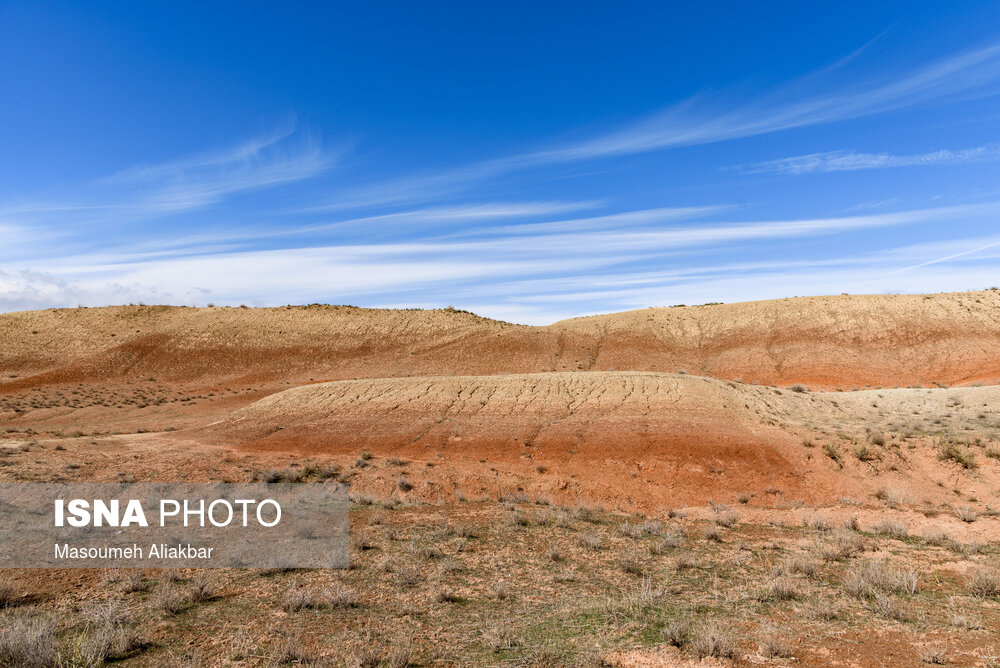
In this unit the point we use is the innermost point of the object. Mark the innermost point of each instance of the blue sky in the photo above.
(525, 162)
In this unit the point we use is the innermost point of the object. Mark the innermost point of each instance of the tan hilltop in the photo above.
(838, 342)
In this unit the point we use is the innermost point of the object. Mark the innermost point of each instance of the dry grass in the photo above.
(984, 584)
(28, 642)
(868, 579)
(780, 588)
(891, 529)
(168, 598)
(951, 451)
(9, 594)
(966, 513)
(713, 640)
(297, 598)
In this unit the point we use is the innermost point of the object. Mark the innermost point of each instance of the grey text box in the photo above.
(188, 525)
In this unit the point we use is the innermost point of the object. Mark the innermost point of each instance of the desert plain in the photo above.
(810, 481)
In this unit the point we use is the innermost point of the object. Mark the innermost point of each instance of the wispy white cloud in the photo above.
(554, 269)
(950, 256)
(611, 221)
(185, 184)
(842, 161)
(706, 118)
(702, 120)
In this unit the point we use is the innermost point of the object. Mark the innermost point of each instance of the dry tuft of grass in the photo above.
(891, 529)
(298, 598)
(726, 518)
(28, 642)
(984, 584)
(779, 589)
(951, 451)
(713, 640)
(499, 637)
(202, 590)
(935, 655)
(168, 599)
(869, 579)
(9, 594)
(966, 513)
(591, 541)
(844, 545)
(677, 632)
(773, 646)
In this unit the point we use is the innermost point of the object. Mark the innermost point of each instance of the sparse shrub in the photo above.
(591, 542)
(984, 584)
(499, 637)
(28, 642)
(870, 578)
(555, 554)
(9, 594)
(669, 541)
(713, 534)
(291, 650)
(844, 545)
(831, 451)
(780, 589)
(951, 451)
(677, 632)
(446, 594)
(799, 387)
(407, 577)
(863, 452)
(168, 599)
(938, 538)
(773, 646)
(630, 530)
(800, 565)
(630, 564)
(888, 607)
(891, 529)
(727, 518)
(935, 655)
(966, 513)
(403, 484)
(518, 519)
(713, 640)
